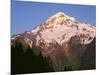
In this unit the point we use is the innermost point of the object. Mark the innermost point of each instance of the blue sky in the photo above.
(27, 15)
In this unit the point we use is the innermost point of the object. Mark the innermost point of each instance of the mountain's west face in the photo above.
(62, 38)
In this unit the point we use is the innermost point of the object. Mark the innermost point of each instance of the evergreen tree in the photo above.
(28, 62)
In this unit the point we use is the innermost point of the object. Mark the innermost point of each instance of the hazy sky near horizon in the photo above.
(27, 15)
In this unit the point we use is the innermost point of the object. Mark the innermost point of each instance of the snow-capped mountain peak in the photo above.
(60, 37)
(61, 28)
